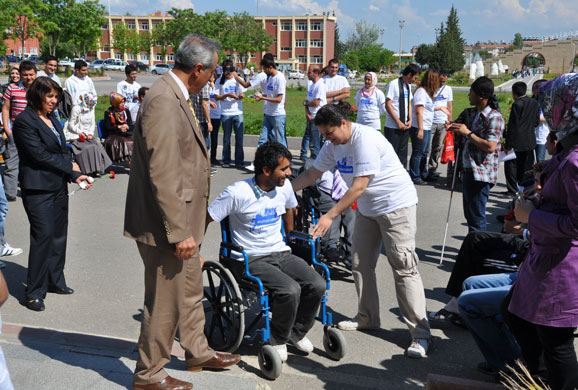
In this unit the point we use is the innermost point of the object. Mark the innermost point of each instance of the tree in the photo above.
(339, 47)
(25, 23)
(54, 21)
(161, 38)
(365, 35)
(351, 60)
(518, 41)
(120, 38)
(425, 53)
(484, 54)
(246, 36)
(88, 18)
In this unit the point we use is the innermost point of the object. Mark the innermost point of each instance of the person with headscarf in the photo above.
(543, 311)
(370, 102)
(79, 133)
(118, 125)
(480, 152)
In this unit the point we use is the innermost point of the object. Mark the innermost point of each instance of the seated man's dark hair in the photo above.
(519, 89)
(268, 155)
(130, 68)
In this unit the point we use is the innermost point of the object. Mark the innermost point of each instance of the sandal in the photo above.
(441, 315)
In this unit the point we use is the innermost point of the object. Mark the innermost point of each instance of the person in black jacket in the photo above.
(45, 169)
(520, 136)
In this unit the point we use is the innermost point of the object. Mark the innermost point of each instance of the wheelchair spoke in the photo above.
(211, 285)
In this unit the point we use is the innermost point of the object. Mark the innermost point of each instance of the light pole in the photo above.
(401, 24)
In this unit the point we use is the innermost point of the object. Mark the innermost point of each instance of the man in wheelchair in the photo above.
(255, 207)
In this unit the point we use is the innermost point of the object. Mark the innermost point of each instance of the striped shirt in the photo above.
(15, 95)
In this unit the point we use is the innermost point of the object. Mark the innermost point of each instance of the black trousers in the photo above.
(477, 246)
(398, 139)
(214, 139)
(296, 290)
(47, 213)
(514, 170)
(555, 345)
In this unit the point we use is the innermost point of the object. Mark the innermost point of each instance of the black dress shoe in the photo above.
(35, 304)
(62, 291)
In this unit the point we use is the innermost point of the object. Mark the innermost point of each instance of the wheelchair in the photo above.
(232, 291)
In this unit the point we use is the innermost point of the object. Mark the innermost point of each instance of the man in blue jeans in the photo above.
(5, 249)
(480, 156)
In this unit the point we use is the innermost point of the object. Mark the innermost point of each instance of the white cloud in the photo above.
(543, 13)
(181, 4)
(307, 6)
(373, 8)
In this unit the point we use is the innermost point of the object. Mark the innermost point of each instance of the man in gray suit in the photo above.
(165, 213)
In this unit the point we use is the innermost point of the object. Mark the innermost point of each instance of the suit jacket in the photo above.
(45, 163)
(524, 118)
(168, 188)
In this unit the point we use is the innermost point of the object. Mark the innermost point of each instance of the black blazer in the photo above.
(45, 163)
(524, 118)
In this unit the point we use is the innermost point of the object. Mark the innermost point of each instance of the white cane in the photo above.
(450, 207)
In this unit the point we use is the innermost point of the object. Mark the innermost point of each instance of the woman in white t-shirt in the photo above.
(420, 132)
(370, 103)
(386, 214)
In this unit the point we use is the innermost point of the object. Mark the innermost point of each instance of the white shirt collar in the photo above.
(180, 84)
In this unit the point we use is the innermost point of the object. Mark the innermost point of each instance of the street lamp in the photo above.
(401, 24)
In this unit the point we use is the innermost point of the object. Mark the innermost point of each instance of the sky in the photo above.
(480, 20)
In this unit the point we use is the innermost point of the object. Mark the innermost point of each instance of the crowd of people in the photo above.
(515, 291)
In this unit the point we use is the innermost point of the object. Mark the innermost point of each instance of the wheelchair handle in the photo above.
(232, 247)
(300, 235)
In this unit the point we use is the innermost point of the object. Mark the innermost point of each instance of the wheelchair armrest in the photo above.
(300, 235)
(233, 247)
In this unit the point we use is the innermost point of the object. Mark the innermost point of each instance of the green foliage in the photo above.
(365, 35)
(120, 38)
(484, 54)
(351, 60)
(518, 41)
(250, 64)
(161, 37)
(425, 53)
(246, 35)
(339, 46)
(85, 31)
(22, 19)
(373, 58)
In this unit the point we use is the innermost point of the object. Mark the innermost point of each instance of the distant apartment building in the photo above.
(298, 41)
(31, 47)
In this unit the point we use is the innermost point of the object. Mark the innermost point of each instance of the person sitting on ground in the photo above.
(254, 207)
(79, 132)
(117, 123)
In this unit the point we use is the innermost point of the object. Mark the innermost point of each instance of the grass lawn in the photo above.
(295, 123)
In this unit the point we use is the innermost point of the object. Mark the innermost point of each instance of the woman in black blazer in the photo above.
(45, 169)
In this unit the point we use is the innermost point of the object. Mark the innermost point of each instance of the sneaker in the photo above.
(418, 348)
(354, 325)
(251, 168)
(282, 351)
(304, 345)
(226, 165)
(9, 251)
(213, 171)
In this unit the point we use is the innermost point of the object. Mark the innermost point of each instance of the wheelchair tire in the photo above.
(334, 343)
(224, 310)
(270, 362)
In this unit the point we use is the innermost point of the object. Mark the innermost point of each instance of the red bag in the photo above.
(448, 153)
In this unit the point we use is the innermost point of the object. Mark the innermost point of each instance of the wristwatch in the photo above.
(304, 102)
(469, 135)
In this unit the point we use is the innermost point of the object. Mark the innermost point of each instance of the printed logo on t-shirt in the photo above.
(269, 217)
(406, 94)
(269, 87)
(343, 167)
(232, 88)
(441, 98)
(309, 94)
(366, 100)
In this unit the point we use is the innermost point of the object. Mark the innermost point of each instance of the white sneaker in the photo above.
(418, 348)
(304, 345)
(354, 325)
(251, 167)
(282, 351)
(9, 251)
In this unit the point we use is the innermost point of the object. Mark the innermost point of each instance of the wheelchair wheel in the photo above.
(334, 343)
(223, 303)
(270, 362)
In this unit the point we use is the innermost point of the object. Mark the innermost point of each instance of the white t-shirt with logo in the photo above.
(336, 83)
(317, 90)
(53, 77)
(255, 223)
(392, 93)
(129, 91)
(259, 80)
(442, 97)
(369, 153)
(215, 113)
(370, 109)
(230, 106)
(274, 86)
(421, 98)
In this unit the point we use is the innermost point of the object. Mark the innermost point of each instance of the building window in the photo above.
(117, 56)
(301, 26)
(316, 26)
(286, 48)
(274, 23)
(130, 25)
(104, 26)
(286, 26)
(34, 51)
(170, 57)
(155, 24)
(130, 57)
(253, 56)
(159, 57)
(274, 40)
(302, 59)
(316, 59)
(105, 48)
(316, 43)
(144, 26)
(144, 57)
(301, 43)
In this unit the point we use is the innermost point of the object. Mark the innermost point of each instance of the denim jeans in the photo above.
(475, 195)
(215, 139)
(540, 152)
(3, 212)
(206, 135)
(480, 306)
(230, 123)
(273, 130)
(419, 151)
(311, 140)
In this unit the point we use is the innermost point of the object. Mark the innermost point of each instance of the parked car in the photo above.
(139, 65)
(9, 59)
(115, 65)
(33, 58)
(296, 74)
(96, 64)
(160, 68)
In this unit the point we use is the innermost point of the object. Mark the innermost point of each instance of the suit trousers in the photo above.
(399, 140)
(296, 290)
(47, 213)
(173, 298)
(514, 170)
(396, 230)
(10, 174)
